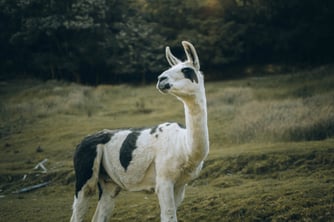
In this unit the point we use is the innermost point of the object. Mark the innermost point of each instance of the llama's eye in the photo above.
(189, 73)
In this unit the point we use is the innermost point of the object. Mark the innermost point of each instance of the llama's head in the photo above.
(182, 79)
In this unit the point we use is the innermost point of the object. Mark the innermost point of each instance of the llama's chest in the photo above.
(191, 173)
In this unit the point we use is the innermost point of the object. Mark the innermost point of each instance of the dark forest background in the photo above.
(113, 41)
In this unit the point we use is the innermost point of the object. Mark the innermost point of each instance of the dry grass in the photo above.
(295, 107)
(271, 156)
(285, 120)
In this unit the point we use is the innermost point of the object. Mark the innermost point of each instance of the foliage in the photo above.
(140, 50)
(60, 40)
(122, 41)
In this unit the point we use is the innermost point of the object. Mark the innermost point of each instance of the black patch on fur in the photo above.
(100, 190)
(189, 73)
(153, 130)
(128, 146)
(103, 174)
(84, 157)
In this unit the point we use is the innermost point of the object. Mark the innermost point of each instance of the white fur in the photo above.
(165, 160)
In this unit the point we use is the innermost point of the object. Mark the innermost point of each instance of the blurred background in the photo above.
(114, 41)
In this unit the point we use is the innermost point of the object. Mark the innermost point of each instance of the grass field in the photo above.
(271, 157)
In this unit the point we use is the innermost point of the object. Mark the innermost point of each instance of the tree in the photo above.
(62, 40)
(94, 41)
(140, 50)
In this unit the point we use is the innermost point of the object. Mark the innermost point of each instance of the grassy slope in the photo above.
(264, 164)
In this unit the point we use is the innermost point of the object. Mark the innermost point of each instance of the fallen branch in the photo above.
(33, 187)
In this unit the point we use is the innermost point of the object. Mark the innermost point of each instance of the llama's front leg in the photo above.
(165, 191)
(179, 194)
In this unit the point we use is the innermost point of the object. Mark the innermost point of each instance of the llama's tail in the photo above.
(87, 161)
(87, 171)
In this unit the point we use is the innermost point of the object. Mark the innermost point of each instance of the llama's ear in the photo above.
(172, 60)
(191, 54)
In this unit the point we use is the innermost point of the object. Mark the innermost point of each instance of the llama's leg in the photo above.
(108, 191)
(80, 206)
(165, 191)
(179, 194)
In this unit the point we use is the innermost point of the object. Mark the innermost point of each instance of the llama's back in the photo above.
(129, 158)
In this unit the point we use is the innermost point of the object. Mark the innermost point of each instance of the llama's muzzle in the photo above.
(163, 85)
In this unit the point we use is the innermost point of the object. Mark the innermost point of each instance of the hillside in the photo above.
(271, 157)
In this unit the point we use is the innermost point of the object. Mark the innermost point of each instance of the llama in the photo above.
(163, 158)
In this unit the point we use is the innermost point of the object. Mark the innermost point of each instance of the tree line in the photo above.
(112, 41)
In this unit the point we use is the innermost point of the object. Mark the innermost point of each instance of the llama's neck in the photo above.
(197, 136)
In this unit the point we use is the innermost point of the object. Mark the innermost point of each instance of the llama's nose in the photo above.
(163, 84)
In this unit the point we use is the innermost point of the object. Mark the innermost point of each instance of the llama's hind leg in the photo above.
(80, 206)
(105, 206)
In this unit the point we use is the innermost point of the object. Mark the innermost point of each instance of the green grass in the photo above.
(271, 157)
